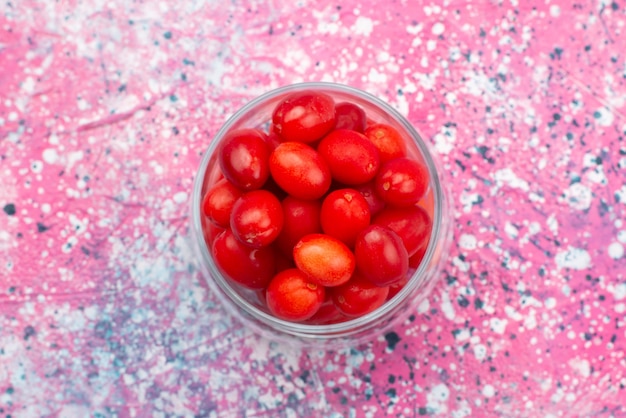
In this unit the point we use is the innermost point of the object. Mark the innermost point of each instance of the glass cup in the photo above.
(246, 305)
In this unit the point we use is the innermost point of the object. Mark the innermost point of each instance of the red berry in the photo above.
(304, 116)
(243, 158)
(327, 313)
(283, 261)
(358, 296)
(351, 157)
(257, 218)
(250, 267)
(350, 116)
(380, 255)
(395, 288)
(210, 232)
(300, 170)
(416, 259)
(402, 182)
(368, 191)
(218, 202)
(324, 259)
(387, 140)
(344, 214)
(302, 217)
(412, 224)
(292, 296)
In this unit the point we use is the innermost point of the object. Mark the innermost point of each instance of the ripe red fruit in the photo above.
(351, 157)
(292, 296)
(358, 296)
(250, 267)
(350, 116)
(387, 140)
(305, 116)
(344, 214)
(301, 217)
(324, 259)
(395, 288)
(218, 202)
(243, 158)
(416, 259)
(368, 191)
(402, 182)
(327, 313)
(257, 218)
(300, 170)
(380, 255)
(412, 224)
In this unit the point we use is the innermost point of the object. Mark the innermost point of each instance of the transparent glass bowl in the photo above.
(245, 305)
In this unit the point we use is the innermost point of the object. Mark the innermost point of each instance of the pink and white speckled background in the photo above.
(106, 107)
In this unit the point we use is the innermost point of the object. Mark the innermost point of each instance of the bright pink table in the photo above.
(106, 107)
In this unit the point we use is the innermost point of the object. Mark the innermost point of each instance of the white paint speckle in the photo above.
(620, 194)
(573, 258)
(534, 228)
(550, 303)
(604, 116)
(467, 242)
(578, 196)
(437, 398)
(581, 366)
(507, 177)
(555, 10)
(438, 28)
(498, 325)
(510, 230)
(619, 292)
(616, 250)
(36, 166)
(553, 224)
(488, 391)
(446, 306)
(480, 352)
(512, 313)
(180, 197)
(50, 156)
(363, 26)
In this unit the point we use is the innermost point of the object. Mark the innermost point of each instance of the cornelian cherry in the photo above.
(299, 170)
(351, 157)
(344, 214)
(305, 116)
(292, 296)
(350, 116)
(218, 202)
(243, 158)
(257, 218)
(358, 296)
(368, 191)
(380, 255)
(402, 182)
(324, 259)
(387, 140)
(301, 217)
(412, 224)
(250, 267)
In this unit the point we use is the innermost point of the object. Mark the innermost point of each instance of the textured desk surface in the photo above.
(106, 106)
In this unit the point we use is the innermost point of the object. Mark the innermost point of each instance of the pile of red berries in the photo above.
(323, 214)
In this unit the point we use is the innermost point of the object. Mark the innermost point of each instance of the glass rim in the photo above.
(350, 326)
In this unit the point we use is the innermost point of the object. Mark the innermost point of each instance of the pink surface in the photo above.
(106, 107)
